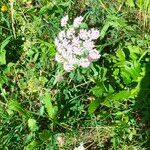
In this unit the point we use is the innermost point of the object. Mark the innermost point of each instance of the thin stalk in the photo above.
(12, 17)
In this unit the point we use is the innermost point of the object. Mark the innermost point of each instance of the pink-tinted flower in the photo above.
(76, 46)
(73, 61)
(94, 34)
(68, 67)
(76, 41)
(64, 21)
(83, 34)
(77, 50)
(94, 54)
(65, 42)
(84, 62)
(66, 55)
(77, 21)
(88, 45)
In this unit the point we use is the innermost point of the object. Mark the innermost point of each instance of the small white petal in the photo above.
(64, 21)
(61, 35)
(77, 50)
(88, 44)
(94, 54)
(68, 67)
(84, 62)
(59, 58)
(83, 34)
(94, 34)
(77, 21)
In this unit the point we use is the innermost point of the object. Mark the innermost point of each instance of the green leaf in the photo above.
(134, 52)
(15, 106)
(93, 106)
(121, 95)
(45, 135)
(2, 57)
(32, 145)
(104, 30)
(125, 74)
(98, 90)
(115, 98)
(4, 43)
(51, 110)
(140, 3)
(121, 55)
(3, 52)
(130, 3)
(43, 80)
(32, 125)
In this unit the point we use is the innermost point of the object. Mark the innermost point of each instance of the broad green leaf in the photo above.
(93, 106)
(116, 72)
(121, 95)
(115, 98)
(15, 106)
(51, 110)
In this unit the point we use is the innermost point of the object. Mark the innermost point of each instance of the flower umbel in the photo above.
(76, 46)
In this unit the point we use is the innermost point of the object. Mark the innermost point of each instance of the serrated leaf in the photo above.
(121, 55)
(98, 90)
(140, 3)
(32, 125)
(125, 74)
(45, 135)
(134, 52)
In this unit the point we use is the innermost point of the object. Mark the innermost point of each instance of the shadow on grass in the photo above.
(142, 109)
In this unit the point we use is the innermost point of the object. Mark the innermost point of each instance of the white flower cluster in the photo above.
(75, 46)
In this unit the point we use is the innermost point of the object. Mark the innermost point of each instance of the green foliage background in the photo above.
(106, 106)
